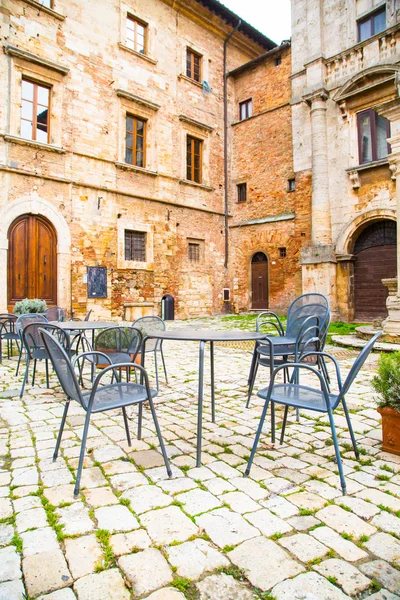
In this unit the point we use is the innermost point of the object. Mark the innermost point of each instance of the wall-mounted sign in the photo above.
(97, 282)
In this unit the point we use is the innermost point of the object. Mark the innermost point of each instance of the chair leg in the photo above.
(139, 426)
(284, 424)
(273, 422)
(156, 367)
(251, 384)
(34, 372)
(163, 362)
(47, 372)
(353, 438)
(253, 364)
(19, 361)
(64, 417)
(257, 438)
(25, 378)
(82, 455)
(161, 441)
(128, 435)
(337, 453)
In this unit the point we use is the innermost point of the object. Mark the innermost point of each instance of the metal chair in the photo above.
(8, 334)
(145, 324)
(54, 313)
(78, 335)
(308, 317)
(23, 321)
(100, 398)
(119, 344)
(34, 350)
(314, 399)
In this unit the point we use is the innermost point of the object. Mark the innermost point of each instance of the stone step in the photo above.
(354, 341)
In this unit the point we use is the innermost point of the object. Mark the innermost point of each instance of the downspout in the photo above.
(226, 182)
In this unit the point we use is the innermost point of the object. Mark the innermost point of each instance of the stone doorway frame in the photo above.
(35, 205)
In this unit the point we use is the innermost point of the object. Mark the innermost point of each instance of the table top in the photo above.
(87, 325)
(205, 335)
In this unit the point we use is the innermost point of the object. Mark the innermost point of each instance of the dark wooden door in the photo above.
(32, 260)
(375, 254)
(259, 281)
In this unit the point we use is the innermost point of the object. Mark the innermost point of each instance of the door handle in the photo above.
(45, 261)
(19, 277)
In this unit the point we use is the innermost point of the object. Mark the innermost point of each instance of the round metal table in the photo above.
(203, 336)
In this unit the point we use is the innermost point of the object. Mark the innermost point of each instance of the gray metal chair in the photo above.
(8, 334)
(314, 399)
(145, 324)
(120, 344)
(101, 397)
(22, 322)
(54, 313)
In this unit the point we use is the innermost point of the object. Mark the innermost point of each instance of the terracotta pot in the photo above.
(390, 429)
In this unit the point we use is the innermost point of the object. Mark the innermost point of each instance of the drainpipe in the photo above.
(226, 146)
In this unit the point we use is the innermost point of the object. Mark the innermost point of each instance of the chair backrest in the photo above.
(24, 320)
(54, 313)
(7, 324)
(358, 363)
(31, 338)
(145, 324)
(305, 306)
(59, 334)
(62, 366)
(87, 315)
(119, 339)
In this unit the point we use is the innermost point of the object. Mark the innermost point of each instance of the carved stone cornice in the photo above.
(137, 99)
(320, 94)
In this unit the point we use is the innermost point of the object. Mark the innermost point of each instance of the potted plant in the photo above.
(28, 306)
(387, 384)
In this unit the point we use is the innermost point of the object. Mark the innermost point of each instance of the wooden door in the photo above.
(259, 281)
(32, 260)
(375, 254)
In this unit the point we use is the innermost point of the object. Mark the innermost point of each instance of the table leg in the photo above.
(93, 365)
(200, 403)
(212, 382)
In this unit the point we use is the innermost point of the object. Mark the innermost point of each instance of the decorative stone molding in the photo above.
(45, 9)
(194, 123)
(37, 60)
(138, 54)
(14, 139)
(320, 94)
(355, 179)
(367, 79)
(137, 99)
(311, 255)
(354, 172)
(203, 186)
(344, 242)
(128, 167)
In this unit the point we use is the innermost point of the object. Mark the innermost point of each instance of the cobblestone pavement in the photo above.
(286, 532)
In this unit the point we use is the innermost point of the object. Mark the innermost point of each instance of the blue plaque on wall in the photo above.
(97, 282)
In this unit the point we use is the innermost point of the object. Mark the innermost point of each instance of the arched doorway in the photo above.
(259, 281)
(375, 259)
(32, 260)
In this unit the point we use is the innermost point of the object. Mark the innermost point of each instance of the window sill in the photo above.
(45, 9)
(128, 167)
(18, 140)
(138, 54)
(186, 78)
(353, 172)
(203, 186)
(134, 265)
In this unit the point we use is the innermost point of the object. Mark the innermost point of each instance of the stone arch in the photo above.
(34, 204)
(349, 233)
(371, 77)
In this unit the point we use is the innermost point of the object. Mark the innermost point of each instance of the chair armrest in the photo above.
(332, 358)
(129, 365)
(297, 365)
(278, 324)
(90, 353)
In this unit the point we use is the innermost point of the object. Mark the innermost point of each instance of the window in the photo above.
(245, 109)
(373, 131)
(241, 192)
(282, 252)
(193, 159)
(47, 3)
(291, 185)
(35, 111)
(194, 251)
(193, 65)
(372, 24)
(136, 34)
(135, 245)
(135, 141)
(278, 61)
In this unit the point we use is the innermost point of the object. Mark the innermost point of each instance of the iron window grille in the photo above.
(136, 34)
(282, 252)
(135, 245)
(135, 141)
(35, 111)
(372, 24)
(246, 109)
(373, 132)
(241, 192)
(193, 65)
(194, 251)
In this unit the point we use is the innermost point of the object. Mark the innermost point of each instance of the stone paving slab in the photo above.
(133, 526)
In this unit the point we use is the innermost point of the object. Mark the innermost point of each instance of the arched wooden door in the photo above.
(32, 260)
(375, 254)
(259, 281)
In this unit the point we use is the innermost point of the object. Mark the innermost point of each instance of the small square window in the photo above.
(291, 185)
(193, 65)
(282, 252)
(278, 61)
(135, 245)
(246, 109)
(241, 192)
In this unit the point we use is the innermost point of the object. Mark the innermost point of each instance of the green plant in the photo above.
(387, 380)
(29, 306)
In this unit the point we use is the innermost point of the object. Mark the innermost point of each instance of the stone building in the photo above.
(345, 111)
(112, 155)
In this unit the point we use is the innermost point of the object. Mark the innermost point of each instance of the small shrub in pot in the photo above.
(387, 383)
(28, 306)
